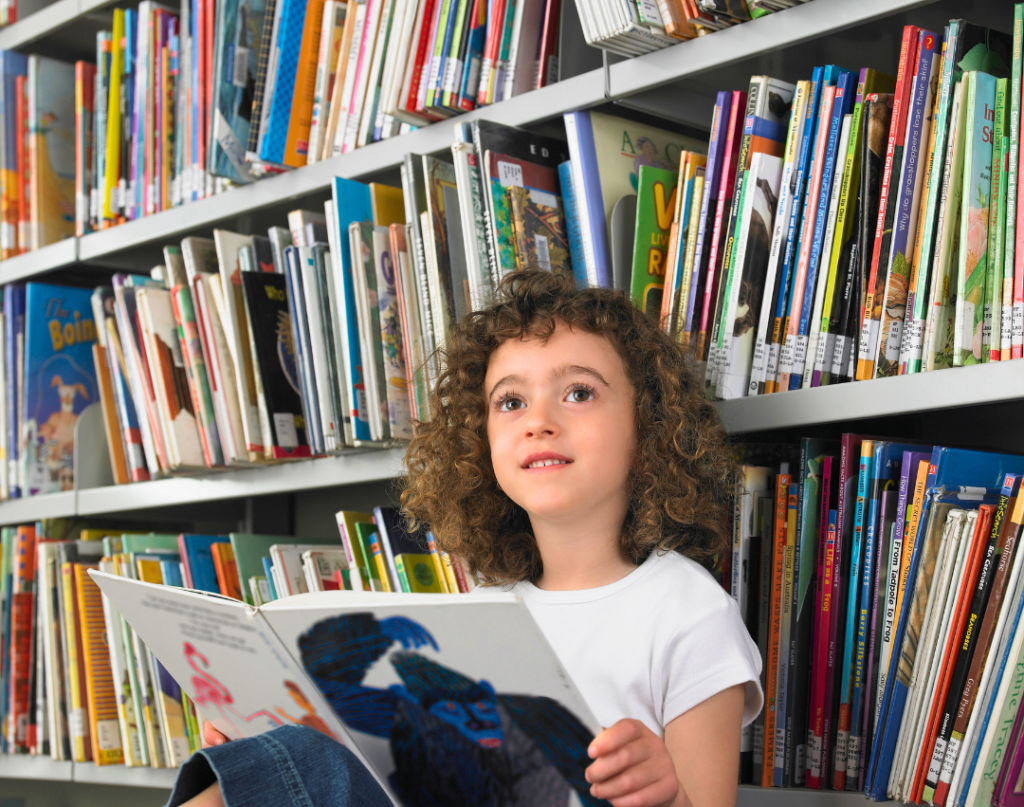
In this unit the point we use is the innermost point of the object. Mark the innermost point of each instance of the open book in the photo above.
(446, 699)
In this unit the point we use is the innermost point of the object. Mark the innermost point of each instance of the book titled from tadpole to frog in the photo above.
(447, 699)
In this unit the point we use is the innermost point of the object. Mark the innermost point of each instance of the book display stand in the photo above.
(978, 405)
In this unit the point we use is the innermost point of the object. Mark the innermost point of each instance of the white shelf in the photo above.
(28, 264)
(90, 773)
(942, 389)
(28, 767)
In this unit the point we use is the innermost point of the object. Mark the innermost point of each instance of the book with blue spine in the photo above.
(853, 592)
(289, 42)
(197, 558)
(845, 83)
(352, 203)
(268, 568)
(239, 33)
(572, 224)
(949, 470)
(61, 374)
(303, 348)
(807, 136)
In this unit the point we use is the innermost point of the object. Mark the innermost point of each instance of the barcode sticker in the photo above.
(284, 430)
(543, 256)
(238, 65)
(892, 343)
(510, 174)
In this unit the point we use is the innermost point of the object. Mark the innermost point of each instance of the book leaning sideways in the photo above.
(446, 699)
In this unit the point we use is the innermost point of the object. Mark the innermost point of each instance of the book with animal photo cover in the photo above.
(59, 332)
(266, 303)
(448, 700)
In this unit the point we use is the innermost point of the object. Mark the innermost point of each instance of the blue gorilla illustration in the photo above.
(455, 742)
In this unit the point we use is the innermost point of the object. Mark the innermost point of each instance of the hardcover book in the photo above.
(59, 332)
(656, 200)
(51, 123)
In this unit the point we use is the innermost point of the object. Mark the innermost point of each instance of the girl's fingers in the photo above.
(660, 794)
(211, 736)
(632, 780)
(623, 732)
(612, 764)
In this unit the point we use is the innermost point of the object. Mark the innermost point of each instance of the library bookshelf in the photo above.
(978, 404)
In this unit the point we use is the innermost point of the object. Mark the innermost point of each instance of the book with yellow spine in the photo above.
(78, 709)
(99, 680)
(113, 159)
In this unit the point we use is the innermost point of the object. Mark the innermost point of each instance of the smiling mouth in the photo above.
(546, 463)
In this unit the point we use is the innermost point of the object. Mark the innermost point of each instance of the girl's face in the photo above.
(560, 425)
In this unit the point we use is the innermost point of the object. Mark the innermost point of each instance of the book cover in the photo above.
(656, 199)
(239, 33)
(227, 570)
(273, 347)
(196, 558)
(391, 339)
(455, 646)
(973, 259)
(59, 332)
(51, 94)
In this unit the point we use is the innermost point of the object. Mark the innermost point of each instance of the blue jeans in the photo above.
(291, 766)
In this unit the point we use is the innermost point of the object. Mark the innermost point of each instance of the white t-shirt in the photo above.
(651, 645)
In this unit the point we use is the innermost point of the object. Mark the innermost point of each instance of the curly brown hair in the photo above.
(682, 475)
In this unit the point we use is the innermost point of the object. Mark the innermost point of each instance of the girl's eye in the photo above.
(581, 394)
(509, 403)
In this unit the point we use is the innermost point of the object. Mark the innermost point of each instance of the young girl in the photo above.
(572, 459)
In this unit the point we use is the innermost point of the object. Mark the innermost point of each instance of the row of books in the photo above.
(851, 226)
(883, 585)
(632, 27)
(181, 105)
(76, 683)
(238, 350)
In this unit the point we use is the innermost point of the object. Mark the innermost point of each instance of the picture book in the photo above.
(51, 123)
(656, 197)
(59, 332)
(538, 222)
(470, 685)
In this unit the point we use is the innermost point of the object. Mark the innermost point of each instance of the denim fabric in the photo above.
(291, 766)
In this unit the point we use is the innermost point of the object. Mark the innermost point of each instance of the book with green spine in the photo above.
(654, 207)
(1009, 242)
(973, 264)
(996, 231)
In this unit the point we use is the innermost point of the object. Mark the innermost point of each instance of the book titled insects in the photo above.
(60, 382)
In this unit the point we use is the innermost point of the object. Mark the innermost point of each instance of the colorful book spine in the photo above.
(990, 347)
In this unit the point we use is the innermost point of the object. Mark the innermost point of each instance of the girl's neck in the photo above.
(580, 557)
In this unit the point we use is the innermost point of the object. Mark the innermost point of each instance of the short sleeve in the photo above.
(708, 655)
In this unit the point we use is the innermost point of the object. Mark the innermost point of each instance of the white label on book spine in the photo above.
(543, 254)
(800, 769)
(986, 328)
(799, 353)
(822, 351)
(772, 370)
(228, 141)
(77, 719)
(108, 735)
(949, 760)
(935, 766)
(1017, 335)
(915, 338)
(838, 351)
(841, 739)
(452, 67)
(239, 66)
(510, 174)
(786, 354)
(81, 207)
(284, 430)
(757, 365)
(1006, 327)
(892, 342)
(868, 339)
(853, 757)
(543, 198)
(965, 315)
(758, 743)
(780, 747)
(814, 755)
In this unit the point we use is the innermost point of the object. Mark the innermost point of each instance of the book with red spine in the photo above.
(771, 679)
(727, 184)
(871, 314)
(547, 52)
(823, 603)
(492, 46)
(22, 628)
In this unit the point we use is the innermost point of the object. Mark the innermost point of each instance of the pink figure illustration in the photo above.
(211, 692)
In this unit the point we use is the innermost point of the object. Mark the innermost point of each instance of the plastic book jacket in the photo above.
(59, 332)
(450, 702)
(52, 150)
(239, 30)
(623, 146)
(656, 202)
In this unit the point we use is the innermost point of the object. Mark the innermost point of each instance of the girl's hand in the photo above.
(633, 767)
(211, 736)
